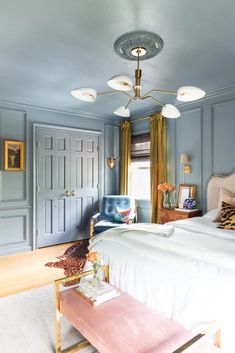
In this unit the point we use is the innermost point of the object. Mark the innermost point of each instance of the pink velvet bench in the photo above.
(124, 325)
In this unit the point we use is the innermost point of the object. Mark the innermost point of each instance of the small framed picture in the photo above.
(185, 191)
(13, 156)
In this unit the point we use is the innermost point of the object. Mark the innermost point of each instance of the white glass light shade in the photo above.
(85, 94)
(120, 82)
(190, 93)
(184, 158)
(122, 111)
(170, 111)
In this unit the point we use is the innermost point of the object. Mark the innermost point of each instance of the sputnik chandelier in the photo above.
(139, 45)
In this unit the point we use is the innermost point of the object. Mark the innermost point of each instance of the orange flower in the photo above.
(166, 187)
(171, 187)
(93, 256)
(162, 187)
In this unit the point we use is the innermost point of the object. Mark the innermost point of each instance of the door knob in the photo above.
(73, 193)
(67, 193)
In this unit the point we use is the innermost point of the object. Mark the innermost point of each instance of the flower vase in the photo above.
(166, 200)
(96, 281)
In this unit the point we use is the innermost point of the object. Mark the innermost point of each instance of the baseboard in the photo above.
(13, 250)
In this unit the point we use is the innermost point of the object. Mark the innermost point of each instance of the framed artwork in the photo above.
(185, 191)
(13, 156)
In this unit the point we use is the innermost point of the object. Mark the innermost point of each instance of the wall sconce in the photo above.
(111, 161)
(184, 159)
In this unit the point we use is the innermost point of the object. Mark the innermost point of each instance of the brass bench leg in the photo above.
(92, 222)
(198, 337)
(217, 338)
(77, 346)
(80, 345)
(57, 318)
(58, 334)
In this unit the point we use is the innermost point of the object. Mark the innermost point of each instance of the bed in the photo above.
(184, 269)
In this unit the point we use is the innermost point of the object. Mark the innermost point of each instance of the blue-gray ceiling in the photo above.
(50, 47)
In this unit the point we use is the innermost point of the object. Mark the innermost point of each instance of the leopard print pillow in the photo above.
(227, 216)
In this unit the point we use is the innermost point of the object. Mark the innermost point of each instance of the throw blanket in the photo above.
(135, 229)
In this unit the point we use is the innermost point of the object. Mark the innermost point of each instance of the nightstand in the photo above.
(169, 215)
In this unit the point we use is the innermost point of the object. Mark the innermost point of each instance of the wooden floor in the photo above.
(23, 271)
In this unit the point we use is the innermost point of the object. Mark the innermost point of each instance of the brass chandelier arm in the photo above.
(144, 97)
(114, 91)
(129, 102)
(133, 90)
(159, 91)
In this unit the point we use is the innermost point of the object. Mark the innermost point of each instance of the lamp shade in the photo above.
(120, 82)
(170, 111)
(190, 93)
(85, 94)
(122, 111)
(184, 158)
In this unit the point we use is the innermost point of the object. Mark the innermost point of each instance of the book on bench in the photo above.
(96, 295)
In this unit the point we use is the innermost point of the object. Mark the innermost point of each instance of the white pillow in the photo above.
(211, 214)
(224, 196)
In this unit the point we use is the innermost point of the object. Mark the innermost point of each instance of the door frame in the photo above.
(36, 127)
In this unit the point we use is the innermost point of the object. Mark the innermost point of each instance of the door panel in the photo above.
(66, 161)
(53, 222)
(48, 207)
(84, 180)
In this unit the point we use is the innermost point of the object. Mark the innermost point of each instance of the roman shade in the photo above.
(140, 147)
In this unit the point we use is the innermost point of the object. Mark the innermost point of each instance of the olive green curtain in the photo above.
(157, 162)
(125, 156)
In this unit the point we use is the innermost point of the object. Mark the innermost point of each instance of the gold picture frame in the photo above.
(13, 156)
(185, 191)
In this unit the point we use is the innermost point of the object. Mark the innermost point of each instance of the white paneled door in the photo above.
(67, 184)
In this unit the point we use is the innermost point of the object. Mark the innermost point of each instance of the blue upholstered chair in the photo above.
(105, 219)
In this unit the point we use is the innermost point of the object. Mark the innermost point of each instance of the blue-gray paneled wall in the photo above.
(190, 143)
(16, 188)
(206, 131)
(111, 181)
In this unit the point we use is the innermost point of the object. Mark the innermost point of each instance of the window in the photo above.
(140, 167)
(140, 180)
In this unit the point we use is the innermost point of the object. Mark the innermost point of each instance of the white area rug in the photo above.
(27, 323)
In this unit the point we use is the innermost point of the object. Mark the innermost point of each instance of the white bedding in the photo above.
(184, 270)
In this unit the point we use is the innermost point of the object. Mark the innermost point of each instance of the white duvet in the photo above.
(184, 270)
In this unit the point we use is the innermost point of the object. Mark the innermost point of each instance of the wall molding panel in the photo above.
(14, 230)
(188, 132)
(223, 128)
(13, 188)
(111, 141)
(206, 132)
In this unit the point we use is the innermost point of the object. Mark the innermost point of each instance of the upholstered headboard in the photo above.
(226, 181)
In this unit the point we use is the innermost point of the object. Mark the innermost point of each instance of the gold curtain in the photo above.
(157, 162)
(125, 156)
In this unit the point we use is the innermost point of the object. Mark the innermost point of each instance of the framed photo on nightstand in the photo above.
(185, 191)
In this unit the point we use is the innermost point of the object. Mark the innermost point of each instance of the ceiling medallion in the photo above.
(139, 45)
(127, 44)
